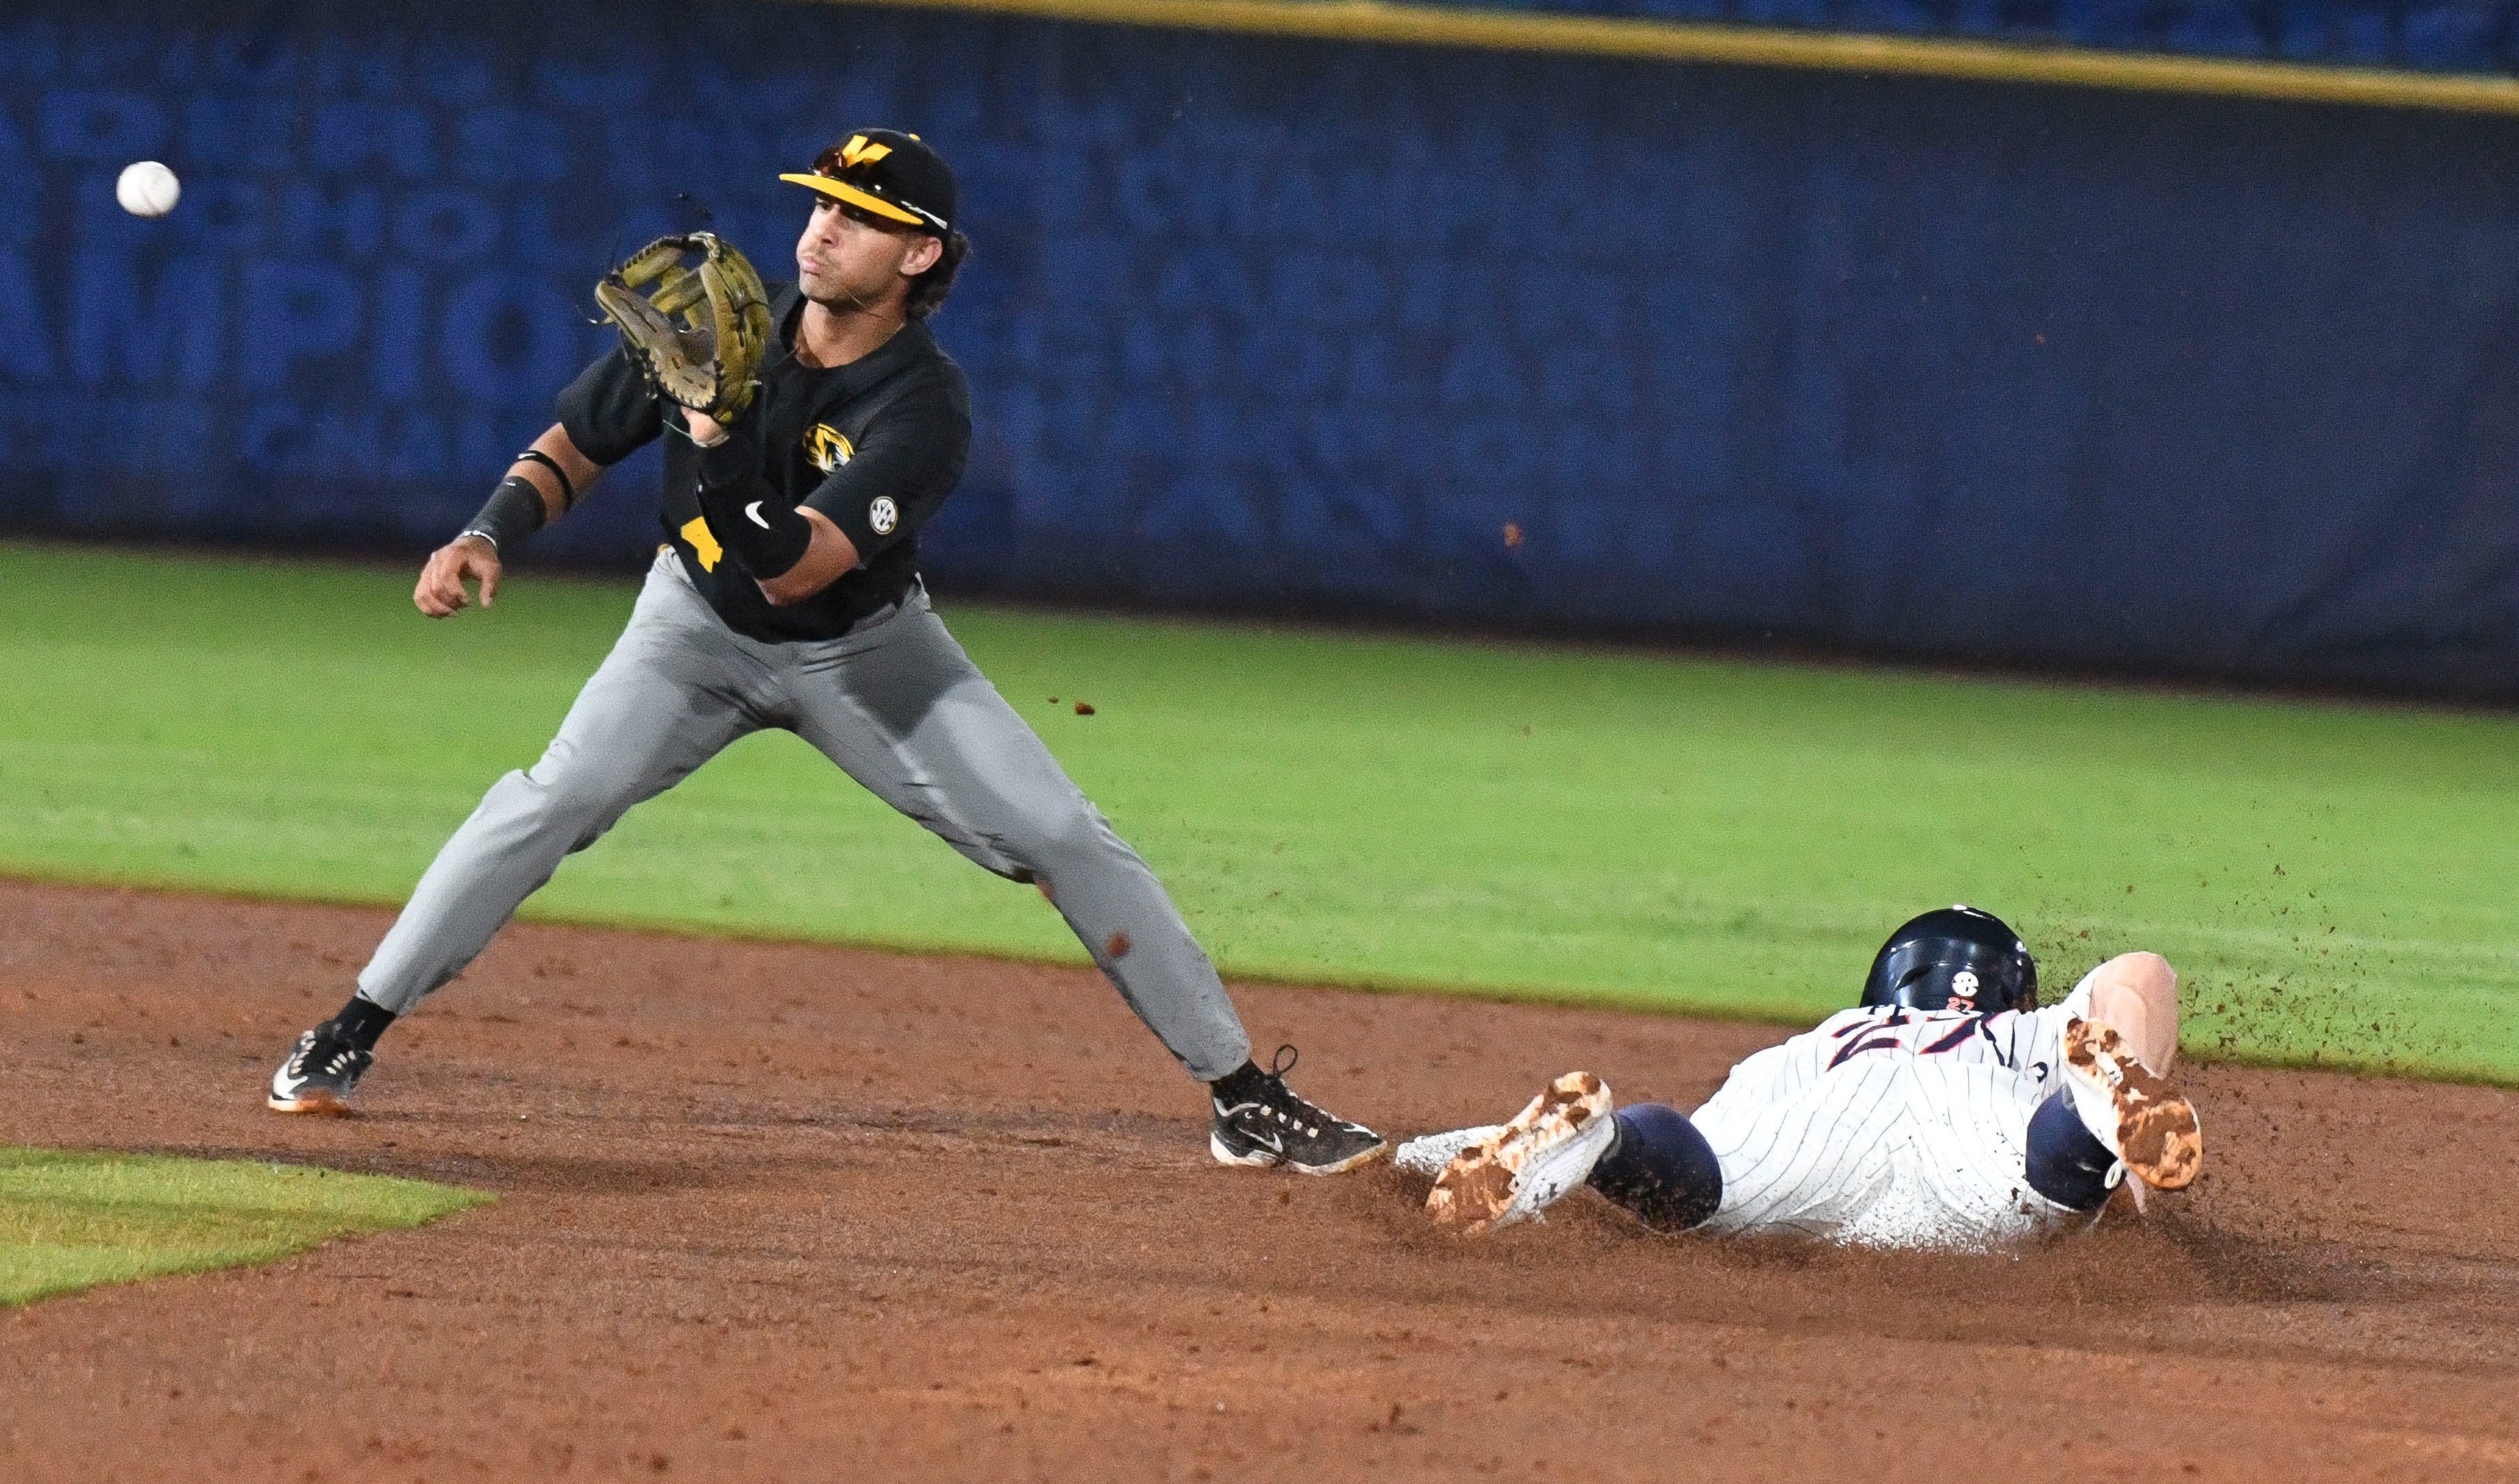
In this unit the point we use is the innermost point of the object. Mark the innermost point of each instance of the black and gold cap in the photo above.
(890, 174)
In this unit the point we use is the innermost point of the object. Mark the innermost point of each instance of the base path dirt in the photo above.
(786, 1212)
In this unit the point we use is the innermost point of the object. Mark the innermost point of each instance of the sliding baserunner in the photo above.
(1947, 1111)
(808, 433)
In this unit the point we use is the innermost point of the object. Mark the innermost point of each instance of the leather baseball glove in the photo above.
(697, 331)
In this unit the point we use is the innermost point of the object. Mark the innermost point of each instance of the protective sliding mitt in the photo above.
(696, 331)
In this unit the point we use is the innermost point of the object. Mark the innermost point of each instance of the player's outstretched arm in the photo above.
(540, 487)
(2137, 994)
(467, 559)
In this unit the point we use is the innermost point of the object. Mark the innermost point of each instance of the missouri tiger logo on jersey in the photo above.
(826, 448)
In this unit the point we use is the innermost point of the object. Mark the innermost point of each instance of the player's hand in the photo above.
(441, 592)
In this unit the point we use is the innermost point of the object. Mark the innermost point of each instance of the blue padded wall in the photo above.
(1898, 366)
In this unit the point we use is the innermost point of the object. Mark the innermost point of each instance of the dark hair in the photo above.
(927, 291)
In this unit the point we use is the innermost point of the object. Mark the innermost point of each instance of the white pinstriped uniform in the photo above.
(1892, 1128)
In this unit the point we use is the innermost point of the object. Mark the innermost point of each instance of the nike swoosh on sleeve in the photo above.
(752, 512)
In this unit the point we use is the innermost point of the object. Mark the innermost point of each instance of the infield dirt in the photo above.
(774, 1211)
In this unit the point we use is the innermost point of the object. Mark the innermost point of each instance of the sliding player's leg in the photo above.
(1806, 1163)
(1658, 1166)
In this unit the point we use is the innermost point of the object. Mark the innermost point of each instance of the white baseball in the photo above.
(148, 188)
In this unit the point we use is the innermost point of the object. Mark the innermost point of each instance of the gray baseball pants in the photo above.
(898, 706)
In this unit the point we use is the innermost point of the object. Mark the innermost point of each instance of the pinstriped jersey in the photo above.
(2030, 1043)
(1894, 1128)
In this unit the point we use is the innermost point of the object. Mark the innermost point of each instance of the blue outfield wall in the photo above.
(1903, 366)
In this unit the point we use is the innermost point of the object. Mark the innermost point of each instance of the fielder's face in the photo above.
(846, 261)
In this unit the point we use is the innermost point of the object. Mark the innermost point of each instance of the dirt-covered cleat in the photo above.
(322, 1070)
(1520, 1169)
(2142, 1116)
(1265, 1123)
(1427, 1153)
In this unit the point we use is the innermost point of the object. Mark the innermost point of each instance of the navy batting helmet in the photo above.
(1954, 958)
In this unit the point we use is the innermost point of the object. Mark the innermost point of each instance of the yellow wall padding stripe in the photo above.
(1757, 46)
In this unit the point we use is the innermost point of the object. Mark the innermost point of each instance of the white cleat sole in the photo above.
(1427, 1153)
(319, 1103)
(2140, 1115)
(1523, 1168)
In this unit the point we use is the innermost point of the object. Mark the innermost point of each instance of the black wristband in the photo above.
(513, 512)
(729, 464)
(758, 527)
(567, 486)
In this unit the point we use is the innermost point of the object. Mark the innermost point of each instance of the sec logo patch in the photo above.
(883, 515)
(826, 448)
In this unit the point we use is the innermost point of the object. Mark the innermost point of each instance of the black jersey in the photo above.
(876, 445)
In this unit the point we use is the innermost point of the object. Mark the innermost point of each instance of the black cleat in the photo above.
(1270, 1126)
(321, 1072)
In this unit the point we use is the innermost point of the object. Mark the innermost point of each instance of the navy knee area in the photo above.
(2065, 1162)
(1660, 1167)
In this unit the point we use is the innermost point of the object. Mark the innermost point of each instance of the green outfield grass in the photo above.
(2335, 881)
(72, 1220)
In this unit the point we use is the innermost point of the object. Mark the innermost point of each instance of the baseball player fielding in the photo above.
(812, 428)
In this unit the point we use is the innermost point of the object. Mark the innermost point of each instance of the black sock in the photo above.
(361, 1022)
(1240, 1085)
